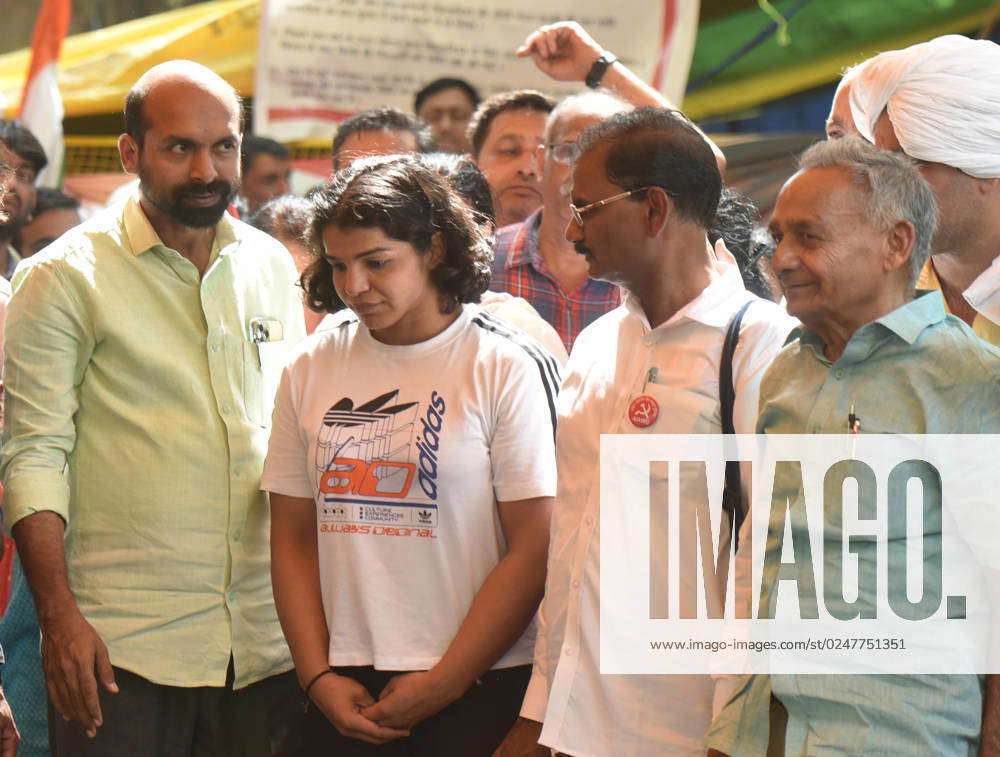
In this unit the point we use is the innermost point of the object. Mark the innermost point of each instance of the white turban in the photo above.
(943, 98)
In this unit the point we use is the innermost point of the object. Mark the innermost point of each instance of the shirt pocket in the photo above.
(696, 413)
(263, 358)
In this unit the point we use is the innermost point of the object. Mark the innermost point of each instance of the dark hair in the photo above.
(253, 146)
(491, 107)
(287, 216)
(53, 199)
(736, 224)
(135, 121)
(439, 85)
(383, 119)
(412, 203)
(465, 178)
(22, 142)
(657, 147)
(134, 114)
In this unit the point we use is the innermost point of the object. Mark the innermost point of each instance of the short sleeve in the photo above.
(742, 728)
(522, 450)
(760, 342)
(286, 468)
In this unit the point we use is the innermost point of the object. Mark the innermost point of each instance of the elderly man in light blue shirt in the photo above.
(853, 228)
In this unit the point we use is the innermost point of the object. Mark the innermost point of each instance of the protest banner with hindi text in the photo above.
(323, 60)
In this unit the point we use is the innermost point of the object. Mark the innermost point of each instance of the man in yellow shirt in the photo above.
(143, 349)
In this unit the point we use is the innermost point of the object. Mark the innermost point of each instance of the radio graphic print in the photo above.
(377, 466)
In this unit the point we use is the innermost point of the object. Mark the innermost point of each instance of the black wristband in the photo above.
(316, 678)
(599, 68)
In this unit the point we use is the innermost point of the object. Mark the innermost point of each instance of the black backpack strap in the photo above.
(732, 493)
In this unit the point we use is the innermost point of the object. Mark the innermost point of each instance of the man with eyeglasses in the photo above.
(533, 259)
(645, 188)
(18, 201)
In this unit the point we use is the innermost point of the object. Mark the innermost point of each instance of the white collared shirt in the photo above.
(984, 293)
(13, 258)
(584, 713)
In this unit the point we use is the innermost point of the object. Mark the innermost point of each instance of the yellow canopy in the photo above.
(97, 69)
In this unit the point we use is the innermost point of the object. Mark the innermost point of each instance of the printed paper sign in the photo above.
(323, 60)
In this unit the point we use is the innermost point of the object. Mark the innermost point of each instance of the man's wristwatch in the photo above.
(599, 68)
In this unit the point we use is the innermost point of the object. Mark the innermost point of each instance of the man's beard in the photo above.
(11, 222)
(10, 226)
(178, 210)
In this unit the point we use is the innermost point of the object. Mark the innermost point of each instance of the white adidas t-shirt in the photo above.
(406, 450)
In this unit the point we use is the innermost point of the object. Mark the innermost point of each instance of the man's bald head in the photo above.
(163, 79)
(593, 105)
(183, 139)
(565, 123)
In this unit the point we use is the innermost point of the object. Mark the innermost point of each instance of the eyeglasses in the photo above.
(24, 173)
(561, 152)
(578, 213)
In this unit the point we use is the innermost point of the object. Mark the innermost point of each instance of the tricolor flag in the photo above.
(41, 104)
(680, 30)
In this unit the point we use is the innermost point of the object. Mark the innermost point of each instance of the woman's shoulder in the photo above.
(332, 340)
(500, 341)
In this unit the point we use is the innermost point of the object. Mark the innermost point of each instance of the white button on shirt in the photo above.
(584, 713)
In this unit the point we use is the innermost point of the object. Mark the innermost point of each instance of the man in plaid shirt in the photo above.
(520, 268)
(533, 259)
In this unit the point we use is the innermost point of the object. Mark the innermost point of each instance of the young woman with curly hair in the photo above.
(411, 472)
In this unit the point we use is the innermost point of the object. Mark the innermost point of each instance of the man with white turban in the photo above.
(840, 122)
(939, 103)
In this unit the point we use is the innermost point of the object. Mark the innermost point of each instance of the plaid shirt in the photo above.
(518, 268)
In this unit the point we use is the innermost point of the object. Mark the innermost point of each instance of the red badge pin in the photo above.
(643, 411)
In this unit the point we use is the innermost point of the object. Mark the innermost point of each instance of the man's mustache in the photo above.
(218, 187)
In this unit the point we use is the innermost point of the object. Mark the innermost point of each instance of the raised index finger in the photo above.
(529, 45)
